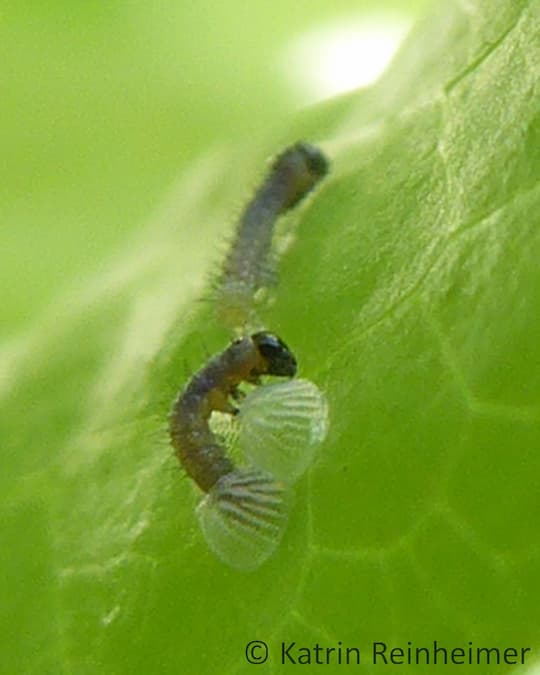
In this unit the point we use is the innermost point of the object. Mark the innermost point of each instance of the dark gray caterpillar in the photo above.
(244, 515)
(293, 174)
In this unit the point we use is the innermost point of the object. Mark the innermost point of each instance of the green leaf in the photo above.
(410, 296)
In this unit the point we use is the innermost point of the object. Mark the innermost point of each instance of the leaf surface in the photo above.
(410, 295)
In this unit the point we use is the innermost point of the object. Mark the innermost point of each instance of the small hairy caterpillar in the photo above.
(293, 174)
(211, 389)
(244, 513)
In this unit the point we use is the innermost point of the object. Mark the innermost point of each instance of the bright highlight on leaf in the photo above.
(347, 55)
(281, 425)
(243, 517)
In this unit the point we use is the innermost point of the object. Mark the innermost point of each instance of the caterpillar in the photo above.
(245, 511)
(247, 266)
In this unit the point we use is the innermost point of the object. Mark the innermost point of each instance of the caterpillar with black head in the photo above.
(244, 515)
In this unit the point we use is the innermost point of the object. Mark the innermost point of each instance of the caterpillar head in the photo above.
(276, 356)
(300, 168)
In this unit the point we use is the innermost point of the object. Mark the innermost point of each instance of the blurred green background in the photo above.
(104, 103)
